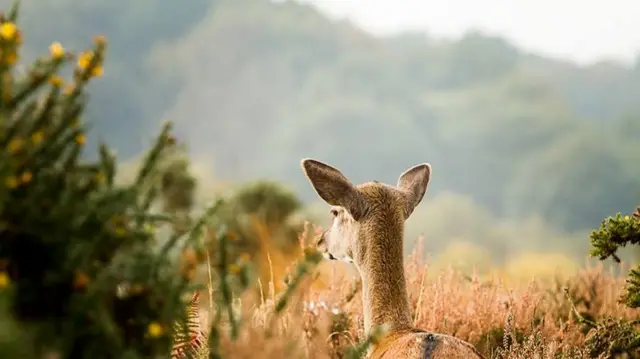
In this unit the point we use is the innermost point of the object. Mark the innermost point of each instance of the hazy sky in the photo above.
(580, 30)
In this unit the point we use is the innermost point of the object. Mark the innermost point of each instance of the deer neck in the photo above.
(384, 290)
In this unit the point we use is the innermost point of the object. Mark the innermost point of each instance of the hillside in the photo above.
(254, 86)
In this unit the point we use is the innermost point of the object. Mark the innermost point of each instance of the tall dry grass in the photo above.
(501, 318)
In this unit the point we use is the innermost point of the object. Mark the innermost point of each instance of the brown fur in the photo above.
(415, 343)
(368, 230)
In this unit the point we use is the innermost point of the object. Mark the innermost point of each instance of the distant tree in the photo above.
(477, 57)
(262, 213)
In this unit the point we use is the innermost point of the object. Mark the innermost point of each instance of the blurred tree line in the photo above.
(255, 85)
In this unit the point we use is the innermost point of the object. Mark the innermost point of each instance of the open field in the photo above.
(503, 317)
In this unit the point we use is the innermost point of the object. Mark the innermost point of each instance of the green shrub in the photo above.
(81, 273)
(610, 336)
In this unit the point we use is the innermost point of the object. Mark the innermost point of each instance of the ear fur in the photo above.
(334, 188)
(413, 182)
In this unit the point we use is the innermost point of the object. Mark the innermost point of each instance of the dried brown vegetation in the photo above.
(532, 320)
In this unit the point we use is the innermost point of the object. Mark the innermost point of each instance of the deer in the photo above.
(367, 230)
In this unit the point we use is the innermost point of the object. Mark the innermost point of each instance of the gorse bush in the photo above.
(78, 279)
(613, 336)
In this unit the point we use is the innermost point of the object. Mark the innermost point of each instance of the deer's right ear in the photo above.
(413, 182)
(334, 188)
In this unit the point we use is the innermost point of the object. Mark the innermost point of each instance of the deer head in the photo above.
(367, 217)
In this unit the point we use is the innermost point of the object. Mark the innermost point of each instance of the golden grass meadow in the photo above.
(503, 317)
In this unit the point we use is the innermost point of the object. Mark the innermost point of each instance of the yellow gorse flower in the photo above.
(37, 137)
(4, 280)
(15, 145)
(97, 71)
(81, 139)
(84, 60)
(155, 329)
(56, 50)
(56, 81)
(8, 31)
(26, 177)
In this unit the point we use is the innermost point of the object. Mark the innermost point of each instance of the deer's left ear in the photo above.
(334, 188)
(413, 183)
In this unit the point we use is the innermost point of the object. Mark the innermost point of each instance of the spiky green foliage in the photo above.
(611, 337)
(613, 234)
(80, 277)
